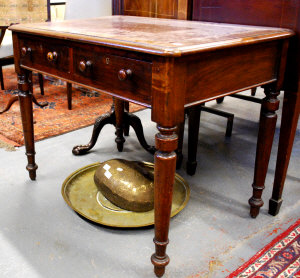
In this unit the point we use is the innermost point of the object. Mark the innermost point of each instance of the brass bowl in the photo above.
(127, 184)
(82, 195)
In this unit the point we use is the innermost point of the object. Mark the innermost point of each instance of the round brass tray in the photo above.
(82, 195)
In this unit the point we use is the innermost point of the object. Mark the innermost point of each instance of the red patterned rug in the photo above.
(280, 258)
(55, 118)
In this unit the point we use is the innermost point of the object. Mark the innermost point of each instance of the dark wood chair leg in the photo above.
(126, 125)
(180, 133)
(119, 114)
(193, 131)
(220, 100)
(164, 173)
(228, 116)
(253, 91)
(1, 78)
(266, 132)
(41, 81)
(290, 115)
(25, 98)
(69, 95)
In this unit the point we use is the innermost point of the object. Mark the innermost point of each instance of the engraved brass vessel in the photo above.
(82, 195)
(127, 184)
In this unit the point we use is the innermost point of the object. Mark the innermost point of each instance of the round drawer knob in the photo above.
(52, 56)
(124, 74)
(84, 65)
(25, 51)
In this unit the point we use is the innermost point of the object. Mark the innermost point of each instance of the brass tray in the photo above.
(82, 195)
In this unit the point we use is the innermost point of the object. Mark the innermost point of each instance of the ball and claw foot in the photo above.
(80, 150)
(40, 104)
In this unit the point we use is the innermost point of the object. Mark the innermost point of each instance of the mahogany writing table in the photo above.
(165, 65)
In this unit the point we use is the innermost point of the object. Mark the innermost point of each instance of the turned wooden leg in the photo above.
(69, 95)
(193, 131)
(290, 115)
(41, 81)
(119, 113)
(164, 175)
(25, 98)
(266, 132)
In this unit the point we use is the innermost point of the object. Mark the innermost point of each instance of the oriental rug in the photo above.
(280, 258)
(54, 119)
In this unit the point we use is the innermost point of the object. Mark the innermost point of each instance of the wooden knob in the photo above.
(124, 74)
(52, 56)
(25, 51)
(83, 66)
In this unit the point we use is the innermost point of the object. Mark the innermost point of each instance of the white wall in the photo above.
(87, 8)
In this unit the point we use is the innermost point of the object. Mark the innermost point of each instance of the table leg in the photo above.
(119, 114)
(290, 115)
(193, 132)
(164, 175)
(266, 132)
(69, 95)
(135, 122)
(41, 82)
(25, 98)
(126, 125)
(121, 120)
(100, 122)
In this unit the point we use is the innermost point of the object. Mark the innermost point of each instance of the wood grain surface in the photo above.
(155, 35)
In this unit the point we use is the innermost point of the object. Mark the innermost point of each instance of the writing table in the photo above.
(165, 65)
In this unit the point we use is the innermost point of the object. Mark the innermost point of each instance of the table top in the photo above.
(158, 36)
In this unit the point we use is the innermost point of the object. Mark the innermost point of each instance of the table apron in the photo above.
(228, 71)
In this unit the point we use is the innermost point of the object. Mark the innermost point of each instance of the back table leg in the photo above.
(266, 132)
(25, 98)
(290, 115)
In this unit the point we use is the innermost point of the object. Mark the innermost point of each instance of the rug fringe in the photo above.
(7, 146)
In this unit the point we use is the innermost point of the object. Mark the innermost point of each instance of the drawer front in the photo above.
(126, 77)
(45, 55)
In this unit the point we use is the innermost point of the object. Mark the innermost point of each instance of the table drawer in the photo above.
(127, 77)
(45, 55)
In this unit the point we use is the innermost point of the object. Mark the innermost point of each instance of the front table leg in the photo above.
(164, 176)
(266, 132)
(25, 99)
